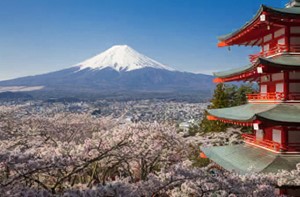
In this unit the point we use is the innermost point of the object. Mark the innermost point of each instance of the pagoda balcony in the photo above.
(274, 96)
(272, 52)
(275, 146)
(271, 145)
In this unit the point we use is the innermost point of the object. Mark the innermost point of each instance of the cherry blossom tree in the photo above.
(69, 154)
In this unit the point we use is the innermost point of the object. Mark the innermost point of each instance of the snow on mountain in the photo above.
(119, 72)
(121, 58)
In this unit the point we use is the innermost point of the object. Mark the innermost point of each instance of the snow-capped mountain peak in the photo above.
(121, 58)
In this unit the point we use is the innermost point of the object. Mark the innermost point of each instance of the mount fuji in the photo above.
(117, 72)
(121, 58)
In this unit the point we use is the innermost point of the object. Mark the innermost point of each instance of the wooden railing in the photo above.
(279, 48)
(272, 96)
(265, 143)
(273, 51)
(289, 147)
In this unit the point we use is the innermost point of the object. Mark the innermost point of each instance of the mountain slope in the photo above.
(119, 69)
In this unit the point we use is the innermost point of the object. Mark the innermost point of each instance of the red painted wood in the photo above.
(284, 137)
(268, 134)
(265, 143)
(286, 85)
(287, 37)
(258, 29)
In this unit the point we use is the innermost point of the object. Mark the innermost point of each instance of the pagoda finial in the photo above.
(293, 3)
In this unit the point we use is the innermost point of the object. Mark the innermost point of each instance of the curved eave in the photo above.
(291, 113)
(286, 62)
(289, 12)
(224, 75)
(284, 12)
(223, 38)
(285, 113)
(291, 62)
(245, 158)
(243, 113)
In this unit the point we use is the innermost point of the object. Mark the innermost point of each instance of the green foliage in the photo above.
(224, 96)
(197, 160)
(239, 96)
(220, 97)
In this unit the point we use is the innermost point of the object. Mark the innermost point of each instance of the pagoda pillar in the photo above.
(287, 38)
(286, 85)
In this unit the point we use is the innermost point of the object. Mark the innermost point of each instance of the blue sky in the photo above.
(38, 36)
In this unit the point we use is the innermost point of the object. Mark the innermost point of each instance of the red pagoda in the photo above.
(274, 112)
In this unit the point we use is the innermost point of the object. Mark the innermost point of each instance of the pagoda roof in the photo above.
(246, 158)
(232, 72)
(288, 12)
(281, 112)
(285, 61)
(287, 112)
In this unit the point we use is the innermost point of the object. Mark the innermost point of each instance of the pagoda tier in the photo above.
(278, 78)
(281, 113)
(268, 24)
(261, 66)
(276, 126)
